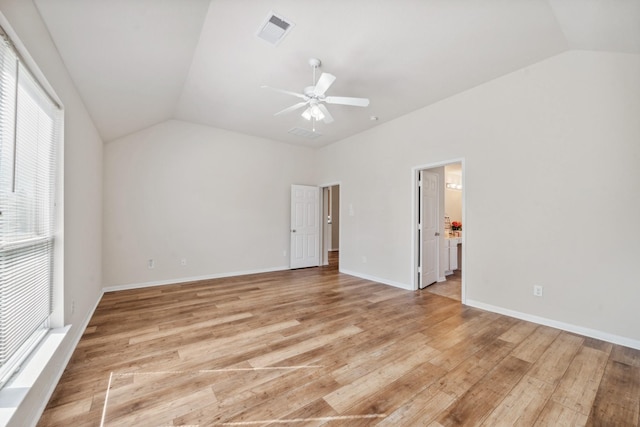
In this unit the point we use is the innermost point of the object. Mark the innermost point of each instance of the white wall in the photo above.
(82, 199)
(562, 139)
(217, 198)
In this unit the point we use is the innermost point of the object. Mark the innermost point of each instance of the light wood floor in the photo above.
(315, 347)
(451, 288)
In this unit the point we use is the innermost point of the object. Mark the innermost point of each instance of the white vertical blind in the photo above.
(29, 132)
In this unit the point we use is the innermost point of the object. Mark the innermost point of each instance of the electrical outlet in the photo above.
(364, 259)
(537, 290)
(151, 263)
(183, 262)
(284, 253)
(73, 307)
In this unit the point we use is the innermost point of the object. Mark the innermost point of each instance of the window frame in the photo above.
(40, 233)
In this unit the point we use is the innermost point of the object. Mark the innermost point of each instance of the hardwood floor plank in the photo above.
(556, 414)
(523, 404)
(315, 347)
(441, 329)
(578, 387)
(316, 413)
(468, 373)
(157, 405)
(477, 403)
(535, 344)
(617, 401)
(385, 295)
(197, 350)
(351, 394)
(385, 352)
(446, 334)
(297, 394)
(61, 413)
(472, 341)
(302, 347)
(626, 355)
(518, 332)
(389, 398)
(450, 288)
(420, 410)
(600, 345)
(168, 331)
(553, 363)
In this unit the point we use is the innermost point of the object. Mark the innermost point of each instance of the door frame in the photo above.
(415, 203)
(324, 251)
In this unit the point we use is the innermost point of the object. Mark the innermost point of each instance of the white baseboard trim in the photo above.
(587, 332)
(377, 279)
(191, 279)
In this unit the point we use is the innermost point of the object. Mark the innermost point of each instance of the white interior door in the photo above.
(429, 234)
(305, 226)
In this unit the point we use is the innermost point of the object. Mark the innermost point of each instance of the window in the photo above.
(30, 128)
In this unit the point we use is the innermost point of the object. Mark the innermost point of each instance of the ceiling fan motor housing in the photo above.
(308, 91)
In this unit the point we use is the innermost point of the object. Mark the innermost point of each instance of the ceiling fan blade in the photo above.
(288, 92)
(292, 108)
(328, 118)
(345, 100)
(324, 82)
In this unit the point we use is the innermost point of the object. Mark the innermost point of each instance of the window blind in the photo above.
(30, 126)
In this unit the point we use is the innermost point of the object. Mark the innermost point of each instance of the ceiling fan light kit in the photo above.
(314, 97)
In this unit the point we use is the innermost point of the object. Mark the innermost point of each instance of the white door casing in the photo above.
(429, 233)
(326, 213)
(305, 226)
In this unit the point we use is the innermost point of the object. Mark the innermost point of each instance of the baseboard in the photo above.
(191, 279)
(377, 279)
(588, 332)
(66, 358)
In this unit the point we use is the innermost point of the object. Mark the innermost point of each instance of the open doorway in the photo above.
(331, 225)
(438, 235)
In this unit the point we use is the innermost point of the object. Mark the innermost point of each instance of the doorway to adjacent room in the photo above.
(331, 224)
(438, 229)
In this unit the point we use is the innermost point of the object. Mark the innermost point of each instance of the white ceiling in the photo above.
(140, 62)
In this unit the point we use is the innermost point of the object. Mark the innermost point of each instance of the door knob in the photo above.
(437, 234)
(293, 231)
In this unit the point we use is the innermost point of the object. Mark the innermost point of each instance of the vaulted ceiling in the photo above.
(137, 63)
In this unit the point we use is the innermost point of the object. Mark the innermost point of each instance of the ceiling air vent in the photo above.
(305, 133)
(274, 28)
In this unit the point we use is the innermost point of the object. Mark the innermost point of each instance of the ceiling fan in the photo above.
(314, 97)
